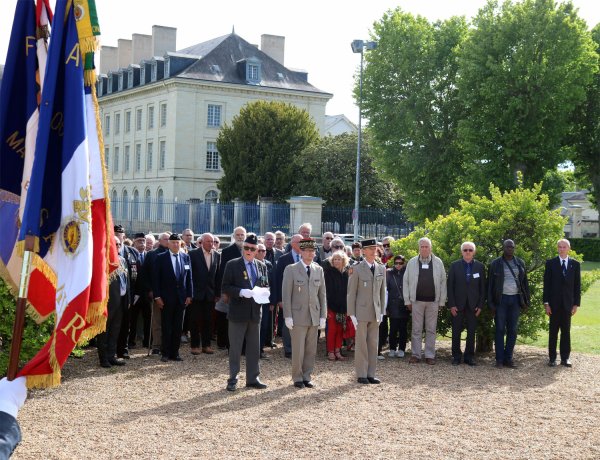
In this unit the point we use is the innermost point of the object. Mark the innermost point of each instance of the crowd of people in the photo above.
(360, 296)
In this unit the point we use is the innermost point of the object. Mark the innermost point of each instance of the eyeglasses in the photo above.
(337, 247)
(118, 245)
(262, 250)
(386, 245)
(467, 250)
(328, 238)
(249, 248)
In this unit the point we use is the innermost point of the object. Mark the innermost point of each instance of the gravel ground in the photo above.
(149, 410)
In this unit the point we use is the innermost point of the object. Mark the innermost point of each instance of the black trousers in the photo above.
(398, 333)
(172, 325)
(200, 313)
(141, 306)
(107, 340)
(560, 319)
(124, 331)
(222, 330)
(383, 333)
(467, 317)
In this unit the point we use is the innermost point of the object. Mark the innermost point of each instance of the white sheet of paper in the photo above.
(261, 294)
(475, 275)
(425, 266)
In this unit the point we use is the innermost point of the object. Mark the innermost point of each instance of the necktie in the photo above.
(252, 273)
(142, 257)
(177, 267)
(468, 273)
(373, 269)
(564, 268)
(308, 271)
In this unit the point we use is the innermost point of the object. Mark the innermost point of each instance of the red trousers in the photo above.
(335, 333)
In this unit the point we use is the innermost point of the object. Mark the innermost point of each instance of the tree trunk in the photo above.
(483, 344)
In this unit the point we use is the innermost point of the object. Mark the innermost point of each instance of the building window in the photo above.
(211, 197)
(107, 125)
(147, 205)
(128, 121)
(126, 159)
(107, 158)
(136, 204)
(149, 156)
(162, 155)
(138, 157)
(212, 156)
(151, 117)
(138, 120)
(116, 161)
(253, 72)
(125, 205)
(117, 123)
(163, 115)
(214, 115)
(113, 202)
(159, 207)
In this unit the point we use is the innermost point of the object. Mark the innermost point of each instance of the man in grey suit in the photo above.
(305, 310)
(240, 277)
(366, 306)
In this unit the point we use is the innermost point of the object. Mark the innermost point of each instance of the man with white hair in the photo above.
(424, 289)
(467, 291)
(150, 242)
(325, 251)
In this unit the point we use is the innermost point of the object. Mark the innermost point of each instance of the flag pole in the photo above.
(19, 324)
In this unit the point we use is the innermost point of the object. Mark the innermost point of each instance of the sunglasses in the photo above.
(386, 245)
(467, 250)
(249, 248)
(328, 238)
(399, 263)
(337, 247)
(262, 250)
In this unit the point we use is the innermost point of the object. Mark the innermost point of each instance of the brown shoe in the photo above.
(414, 360)
(430, 361)
(208, 350)
(195, 351)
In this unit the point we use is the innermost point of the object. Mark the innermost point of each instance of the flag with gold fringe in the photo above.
(67, 209)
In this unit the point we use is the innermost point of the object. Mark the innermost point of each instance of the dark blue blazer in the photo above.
(562, 291)
(282, 262)
(165, 285)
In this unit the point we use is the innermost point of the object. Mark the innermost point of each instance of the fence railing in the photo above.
(153, 215)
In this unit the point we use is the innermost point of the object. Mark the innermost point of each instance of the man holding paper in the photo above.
(304, 309)
(243, 282)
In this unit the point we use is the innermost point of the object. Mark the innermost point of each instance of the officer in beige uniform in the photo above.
(366, 306)
(305, 310)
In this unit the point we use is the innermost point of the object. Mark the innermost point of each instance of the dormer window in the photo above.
(120, 81)
(130, 80)
(154, 67)
(253, 72)
(167, 67)
(143, 74)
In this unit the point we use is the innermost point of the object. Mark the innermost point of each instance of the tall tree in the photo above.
(523, 70)
(258, 148)
(411, 101)
(586, 138)
(330, 167)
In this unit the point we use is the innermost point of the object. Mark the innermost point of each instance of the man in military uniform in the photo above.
(366, 306)
(305, 310)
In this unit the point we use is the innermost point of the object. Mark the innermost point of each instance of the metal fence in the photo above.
(373, 223)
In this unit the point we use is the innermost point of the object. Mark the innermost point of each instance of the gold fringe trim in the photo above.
(97, 320)
(88, 45)
(38, 262)
(20, 246)
(13, 288)
(47, 380)
(35, 315)
(89, 77)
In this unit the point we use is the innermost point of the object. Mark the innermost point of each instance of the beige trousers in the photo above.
(427, 313)
(365, 354)
(304, 352)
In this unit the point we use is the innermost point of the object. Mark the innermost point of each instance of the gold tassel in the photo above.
(20, 246)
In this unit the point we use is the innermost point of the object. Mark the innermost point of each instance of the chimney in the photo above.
(164, 39)
(124, 53)
(109, 59)
(142, 48)
(274, 46)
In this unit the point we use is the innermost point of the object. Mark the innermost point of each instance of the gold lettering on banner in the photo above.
(58, 123)
(76, 324)
(28, 43)
(74, 55)
(82, 207)
(17, 143)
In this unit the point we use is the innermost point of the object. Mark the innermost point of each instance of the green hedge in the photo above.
(589, 247)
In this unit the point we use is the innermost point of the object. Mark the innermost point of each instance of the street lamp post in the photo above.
(358, 46)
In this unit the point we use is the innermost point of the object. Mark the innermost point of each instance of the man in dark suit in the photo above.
(205, 266)
(288, 258)
(466, 296)
(241, 276)
(562, 296)
(233, 251)
(139, 301)
(173, 292)
(272, 254)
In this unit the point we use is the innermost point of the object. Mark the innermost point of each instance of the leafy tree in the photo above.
(330, 171)
(521, 215)
(257, 147)
(586, 136)
(411, 101)
(523, 71)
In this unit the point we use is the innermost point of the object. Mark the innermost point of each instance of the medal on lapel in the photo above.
(245, 275)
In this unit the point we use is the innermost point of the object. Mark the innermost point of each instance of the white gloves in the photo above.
(12, 395)
(380, 319)
(246, 293)
(354, 321)
(289, 322)
(322, 323)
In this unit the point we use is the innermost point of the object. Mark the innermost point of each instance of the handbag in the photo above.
(522, 298)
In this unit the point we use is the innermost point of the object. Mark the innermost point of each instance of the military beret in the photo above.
(175, 237)
(139, 235)
(367, 243)
(307, 243)
(119, 229)
(251, 238)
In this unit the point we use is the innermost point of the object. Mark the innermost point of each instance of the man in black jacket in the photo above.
(466, 296)
(147, 269)
(562, 296)
(508, 294)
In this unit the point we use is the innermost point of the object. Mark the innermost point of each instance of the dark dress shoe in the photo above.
(471, 363)
(124, 355)
(308, 384)
(373, 380)
(155, 351)
(510, 364)
(430, 361)
(456, 361)
(566, 363)
(258, 385)
(105, 364)
(116, 361)
(299, 384)
(164, 359)
(288, 354)
(177, 358)
(231, 387)
(363, 380)
(552, 363)
(499, 364)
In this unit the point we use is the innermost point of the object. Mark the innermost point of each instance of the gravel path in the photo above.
(151, 410)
